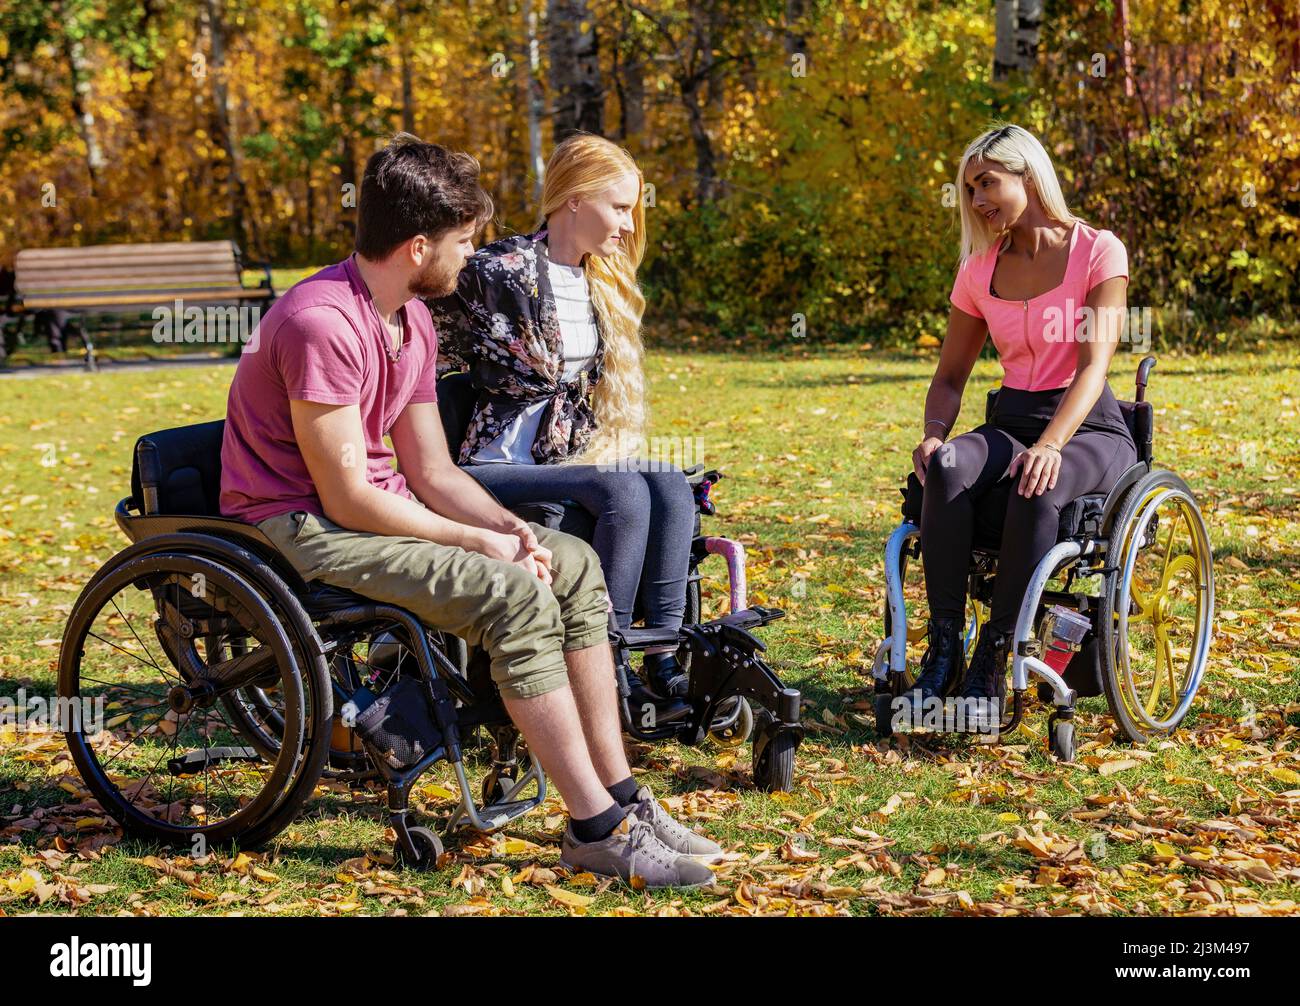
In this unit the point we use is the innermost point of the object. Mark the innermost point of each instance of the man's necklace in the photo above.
(393, 355)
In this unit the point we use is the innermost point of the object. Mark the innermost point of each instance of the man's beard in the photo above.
(434, 280)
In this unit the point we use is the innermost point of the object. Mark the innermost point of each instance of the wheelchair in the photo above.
(231, 686)
(727, 675)
(1122, 605)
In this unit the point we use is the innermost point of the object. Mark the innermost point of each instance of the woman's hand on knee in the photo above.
(921, 456)
(1039, 467)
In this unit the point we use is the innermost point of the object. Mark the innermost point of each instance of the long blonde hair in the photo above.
(1019, 151)
(584, 165)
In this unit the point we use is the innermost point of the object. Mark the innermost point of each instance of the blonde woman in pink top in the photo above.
(1050, 292)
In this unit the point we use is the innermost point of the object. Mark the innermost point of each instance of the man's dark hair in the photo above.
(411, 187)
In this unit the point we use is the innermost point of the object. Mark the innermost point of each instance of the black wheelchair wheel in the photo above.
(1157, 609)
(428, 850)
(1060, 738)
(883, 707)
(168, 764)
(734, 723)
(773, 756)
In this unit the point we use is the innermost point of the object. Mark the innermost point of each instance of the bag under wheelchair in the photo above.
(230, 686)
(1121, 605)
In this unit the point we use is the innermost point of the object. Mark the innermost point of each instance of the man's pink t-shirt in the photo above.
(323, 341)
(1037, 339)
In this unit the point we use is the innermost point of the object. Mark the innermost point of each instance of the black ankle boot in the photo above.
(945, 658)
(664, 675)
(986, 680)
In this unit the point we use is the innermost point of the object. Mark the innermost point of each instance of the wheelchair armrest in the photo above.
(639, 639)
(913, 493)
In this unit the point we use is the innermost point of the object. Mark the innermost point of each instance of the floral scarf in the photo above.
(501, 325)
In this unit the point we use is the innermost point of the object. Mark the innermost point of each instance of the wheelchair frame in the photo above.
(1107, 544)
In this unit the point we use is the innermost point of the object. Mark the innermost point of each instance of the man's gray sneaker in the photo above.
(632, 851)
(673, 834)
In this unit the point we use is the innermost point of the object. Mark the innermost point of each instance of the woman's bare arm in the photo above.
(961, 348)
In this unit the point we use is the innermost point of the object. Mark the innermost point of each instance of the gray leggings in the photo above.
(644, 525)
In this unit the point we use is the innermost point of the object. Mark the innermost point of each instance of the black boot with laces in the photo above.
(983, 693)
(944, 660)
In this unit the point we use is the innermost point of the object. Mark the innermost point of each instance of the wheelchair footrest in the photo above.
(203, 758)
(496, 815)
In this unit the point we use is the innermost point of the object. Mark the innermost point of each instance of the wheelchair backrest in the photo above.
(456, 398)
(178, 471)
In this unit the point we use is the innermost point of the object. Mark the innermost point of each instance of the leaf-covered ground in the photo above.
(814, 446)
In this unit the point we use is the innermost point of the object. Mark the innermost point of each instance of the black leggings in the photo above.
(966, 482)
(644, 525)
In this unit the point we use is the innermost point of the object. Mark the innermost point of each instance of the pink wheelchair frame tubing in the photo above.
(734, 553)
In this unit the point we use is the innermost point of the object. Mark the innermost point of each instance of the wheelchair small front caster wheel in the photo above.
(427, 844)
(773, 756)
(884, 703)
(496, 785)
(1060, 738)
(734, 726)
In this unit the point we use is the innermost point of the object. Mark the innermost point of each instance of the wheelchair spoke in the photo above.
(1169, 547)
(1168, 649)
(131, 627)
(1157, 680)
(123, 687)
(133, 656)
(194, 738)
(118, 753)
(1182, 562)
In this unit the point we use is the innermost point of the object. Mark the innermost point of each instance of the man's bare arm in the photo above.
(437, 481)
(332, 443)
(440, 484)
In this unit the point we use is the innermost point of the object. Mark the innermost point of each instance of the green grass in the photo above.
(814, 446)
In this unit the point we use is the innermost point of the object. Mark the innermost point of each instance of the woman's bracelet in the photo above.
(945, 426)
(1049, 446)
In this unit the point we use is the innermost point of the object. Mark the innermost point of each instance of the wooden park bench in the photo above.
(66, 284)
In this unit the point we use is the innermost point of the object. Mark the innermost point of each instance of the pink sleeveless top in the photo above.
(1036, 338)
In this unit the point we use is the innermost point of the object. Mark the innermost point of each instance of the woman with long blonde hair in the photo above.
(549, 327)
(1051, 293)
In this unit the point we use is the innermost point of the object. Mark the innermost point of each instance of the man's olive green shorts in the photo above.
(524, 625)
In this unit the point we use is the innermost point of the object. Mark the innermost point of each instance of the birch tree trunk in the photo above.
(216, 71)
(534, 103)
(578, 101)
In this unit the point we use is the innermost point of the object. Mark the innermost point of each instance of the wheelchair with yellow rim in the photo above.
(1122, 605)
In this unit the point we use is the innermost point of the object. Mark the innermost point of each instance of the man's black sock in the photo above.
(624, 793)
(593, 829)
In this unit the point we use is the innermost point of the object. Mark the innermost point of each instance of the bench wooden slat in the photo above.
(166, 249)
(23, 271)
(146, 300)
(100, 280)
